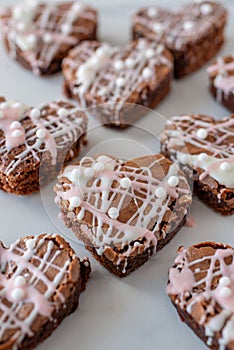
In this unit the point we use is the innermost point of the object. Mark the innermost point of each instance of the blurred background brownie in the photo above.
(193, 34)
(221, 79)
(39, 35)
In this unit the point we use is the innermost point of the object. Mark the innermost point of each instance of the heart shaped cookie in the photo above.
(221, 78)
(206, 146)
(201, 287)
(34, 143)
(194, 34)
(123, 211)
(40, 282)
(39, 35)
(113, 80)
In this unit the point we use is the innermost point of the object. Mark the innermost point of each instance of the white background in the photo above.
(132, 313)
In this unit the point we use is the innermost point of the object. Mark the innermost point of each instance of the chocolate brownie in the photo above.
(41, 279)
(112, 81)
(39, 35)
(201, 288)
(193, 34)
(35, 142)
(221, 79)
(123, 211)
(206, 146)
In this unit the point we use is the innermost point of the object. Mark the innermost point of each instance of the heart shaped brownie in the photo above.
(201, 287)
(207, 146)
(123, 211)
(39, 35)
(34, 143)
(40, 282)
(221, 78)
(194, 34)
(113, 80)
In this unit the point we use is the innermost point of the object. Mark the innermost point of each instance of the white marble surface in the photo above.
(133, 313)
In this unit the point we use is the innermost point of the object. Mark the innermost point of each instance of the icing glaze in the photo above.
(186, 280)
(111, 75)
(46, 133)
(39, 29)
(213, 140)
(20, 288)
(103, 197)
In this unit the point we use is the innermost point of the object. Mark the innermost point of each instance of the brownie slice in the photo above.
(35, 143)
(112, 82)
(41, 281)
(40, 35)
(193, 34)
(201, 289)
(205, 146)
(221, 80)
(123, 211)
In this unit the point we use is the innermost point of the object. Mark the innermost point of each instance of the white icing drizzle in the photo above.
(105, 199)
(96, 72)
(184, 281)
(39, 30)
(45, 133)
(176, 29)
(21, 271)
(216, 157)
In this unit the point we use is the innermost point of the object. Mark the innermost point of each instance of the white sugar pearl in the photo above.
(103, 159)
(17, 133)
(32, 39)
(120, 82)
(158, 27)
(66, 28)
(102, 91)
(1, 115)
(75, 175)
(15, 125)
(21, 26)
(113, 213)
(130, 63)
(30, 244)
(152, 11)
(47, 38)
(188, 25)
(4, 105)
(149, 53)
(225, 166)
(225, 292)
(63, 113)
(147, 73)
(160, 192)
(202, 133)
(76, 7)
(173, 181)
(185, 158)
(17, 294)
(19, 281)
(41, 134)
(89, 172)
(16, 105)
(118, 65)
(74, 202)
(206, 9)
(203, 157)
(98, 167)
(35, 113)
(224, 281)
(100, 51)
(160, 49)
(125, 182)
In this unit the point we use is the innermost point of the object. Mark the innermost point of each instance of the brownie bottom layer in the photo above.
(226, 100)
(125, 267)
